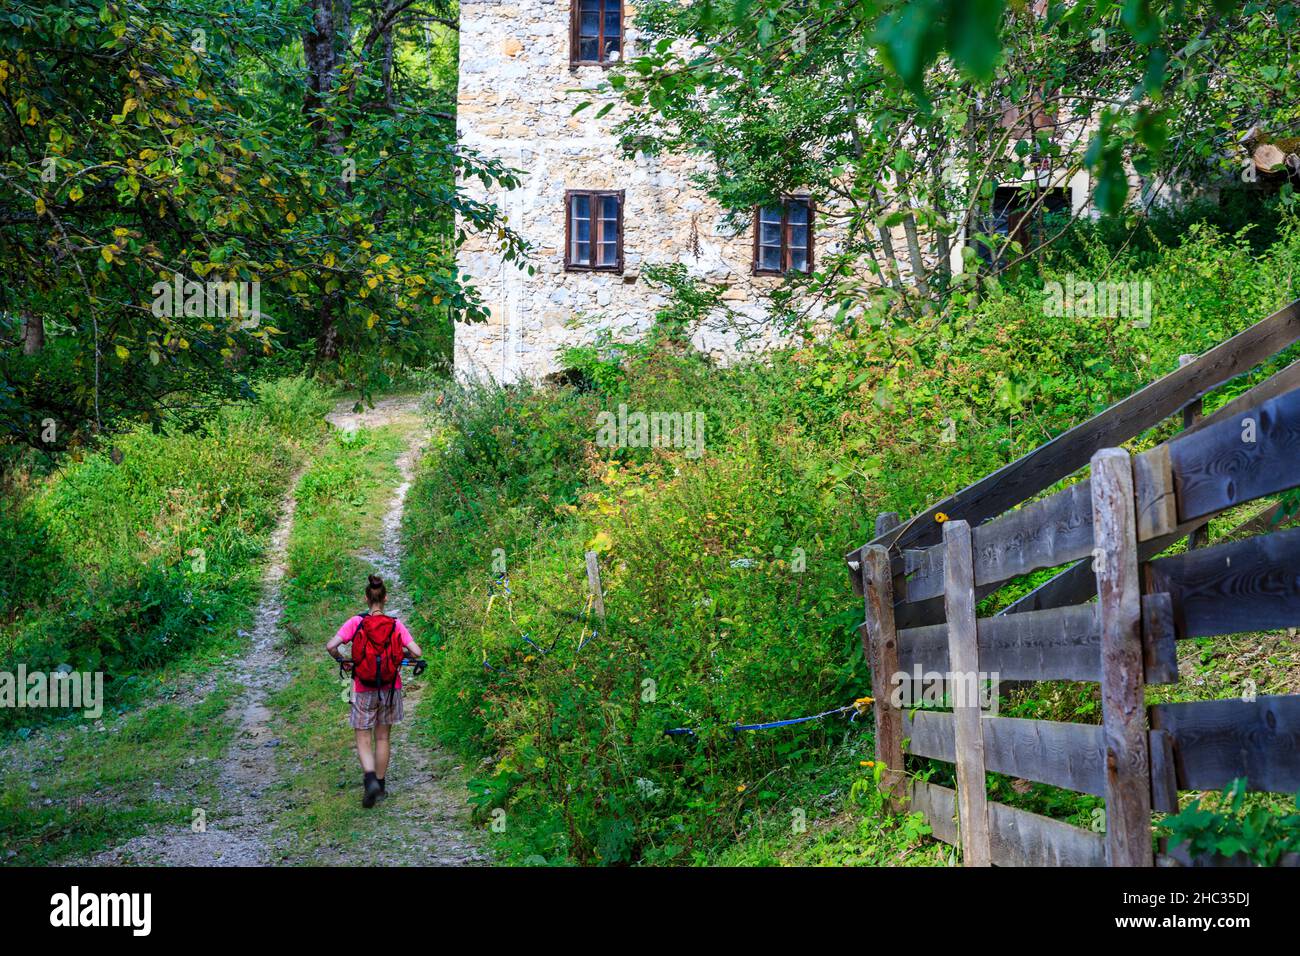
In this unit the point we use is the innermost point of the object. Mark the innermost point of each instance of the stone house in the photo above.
(595, 218)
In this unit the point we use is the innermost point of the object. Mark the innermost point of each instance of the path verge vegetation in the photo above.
(728, 600)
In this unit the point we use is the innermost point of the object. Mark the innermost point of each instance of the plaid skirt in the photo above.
(368, 709)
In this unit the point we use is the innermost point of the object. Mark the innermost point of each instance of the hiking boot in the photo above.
(383, 788)
(373, 790)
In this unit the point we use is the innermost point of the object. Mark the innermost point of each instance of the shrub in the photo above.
(710, 624)
(125, 567)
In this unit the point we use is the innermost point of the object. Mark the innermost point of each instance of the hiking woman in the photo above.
(378, 644)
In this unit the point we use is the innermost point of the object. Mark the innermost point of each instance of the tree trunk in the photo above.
(33, 333)
(887, 247)
(388, 67)
(942, 247)
(322, 62)
(327, 335)
(918, 263)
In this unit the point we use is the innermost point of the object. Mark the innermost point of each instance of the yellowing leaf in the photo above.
(122, 353)
(40, 206)
(382, 258)
(107, 253)
(371, 320)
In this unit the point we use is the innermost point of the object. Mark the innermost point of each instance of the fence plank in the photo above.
(1153, 486)
(1060, 754)
(1071, 450)
(1042, 534)
(1249, 585)
(939, 807)
(1077, 583)
(1159, 655)
(1128, 774)
(1016, 837)
(1058, 529)
(1164, 776)
(963, 656)
(880, 645)
(1062, 643)
(1247, 456)
(1021, 838)
(1277, 384)
(1216, 741)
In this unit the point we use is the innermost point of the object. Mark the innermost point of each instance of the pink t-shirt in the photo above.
(349, 631)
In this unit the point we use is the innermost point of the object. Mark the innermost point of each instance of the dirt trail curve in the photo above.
(424, 818)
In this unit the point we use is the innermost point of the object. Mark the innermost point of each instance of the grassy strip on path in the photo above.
(342, 500)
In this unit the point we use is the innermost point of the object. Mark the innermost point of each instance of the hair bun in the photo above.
(376, 581)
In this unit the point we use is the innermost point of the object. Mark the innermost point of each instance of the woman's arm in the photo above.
(345, 634)
(408, 642)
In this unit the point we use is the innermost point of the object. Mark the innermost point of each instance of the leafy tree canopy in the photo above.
(913, 112)
(308, 148)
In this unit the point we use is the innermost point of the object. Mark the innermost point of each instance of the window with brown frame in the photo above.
(596, 31)
(783, 237)
(593, 232)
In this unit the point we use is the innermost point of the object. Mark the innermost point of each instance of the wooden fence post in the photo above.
(963, 668)
(593, 583)
(880, 645)
(1128, 774)
(1192, 413)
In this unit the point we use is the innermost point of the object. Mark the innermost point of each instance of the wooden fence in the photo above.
(922, 581)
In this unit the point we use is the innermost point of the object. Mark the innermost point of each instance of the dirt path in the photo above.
(423, 816)
(424, 822)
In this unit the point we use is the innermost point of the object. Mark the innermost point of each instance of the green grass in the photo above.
(341, 503)
(724, 578)
(137, 566)
(121, 593)
(109, 781)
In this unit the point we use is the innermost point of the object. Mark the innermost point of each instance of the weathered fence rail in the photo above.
(921, 596)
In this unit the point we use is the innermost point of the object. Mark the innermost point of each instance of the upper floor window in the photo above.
(597, 31)
(783, 237)
(593, 230)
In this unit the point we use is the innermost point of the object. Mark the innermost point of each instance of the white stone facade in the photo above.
(515, 103)
(516, 98)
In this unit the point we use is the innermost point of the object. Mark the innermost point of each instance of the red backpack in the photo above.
(377, 651)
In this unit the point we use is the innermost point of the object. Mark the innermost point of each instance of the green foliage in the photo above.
(881, 111)
(1223, 824)
(126, 566)
(145, 141)
(690, 302)
(707, 596)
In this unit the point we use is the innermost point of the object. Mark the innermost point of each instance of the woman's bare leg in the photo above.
(381, 750)
(366, 751)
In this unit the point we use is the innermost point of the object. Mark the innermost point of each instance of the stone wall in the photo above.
(516, 99)
(514, 103)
